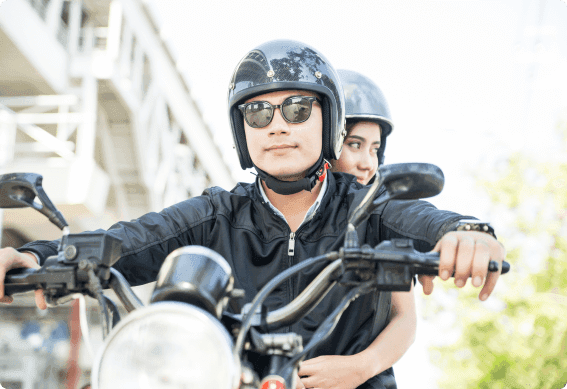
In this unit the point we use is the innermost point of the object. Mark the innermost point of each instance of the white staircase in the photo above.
(90, 98)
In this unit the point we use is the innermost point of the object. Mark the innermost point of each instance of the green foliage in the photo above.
(523, 342)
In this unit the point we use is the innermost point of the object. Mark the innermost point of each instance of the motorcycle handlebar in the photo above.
(123, 290)
(422, 263)
(308, 299)
(23, 280)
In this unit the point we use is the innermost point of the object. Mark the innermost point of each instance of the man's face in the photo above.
(286, 150)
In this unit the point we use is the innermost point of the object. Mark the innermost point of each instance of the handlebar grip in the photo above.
(434, 258)
(16, 281)
(505, 267)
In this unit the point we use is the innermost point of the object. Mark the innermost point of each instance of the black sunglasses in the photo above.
(294, 109)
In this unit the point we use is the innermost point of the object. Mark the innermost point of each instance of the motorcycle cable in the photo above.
(325, 329)
(95, 288)
(269, 288)
(83, 323)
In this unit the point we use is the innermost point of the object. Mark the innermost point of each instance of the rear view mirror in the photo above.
(409, 181)
(19, 190)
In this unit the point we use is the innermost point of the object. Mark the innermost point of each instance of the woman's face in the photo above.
(359, 155)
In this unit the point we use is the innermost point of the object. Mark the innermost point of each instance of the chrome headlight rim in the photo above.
(169, 307)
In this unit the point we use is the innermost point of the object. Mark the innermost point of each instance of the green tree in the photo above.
(519, 339)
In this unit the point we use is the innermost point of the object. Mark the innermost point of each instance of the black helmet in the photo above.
(365, 101)
(283, 65)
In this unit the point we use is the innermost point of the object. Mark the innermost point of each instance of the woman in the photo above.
(368, 125)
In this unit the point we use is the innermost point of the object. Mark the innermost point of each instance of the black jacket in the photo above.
(254, 240)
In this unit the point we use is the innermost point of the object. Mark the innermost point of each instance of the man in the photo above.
(287, 117)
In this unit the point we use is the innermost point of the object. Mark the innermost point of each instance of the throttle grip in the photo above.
(17, 281)
(433, 258)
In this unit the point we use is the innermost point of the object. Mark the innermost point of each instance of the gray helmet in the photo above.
(282, 65)
(365, 101)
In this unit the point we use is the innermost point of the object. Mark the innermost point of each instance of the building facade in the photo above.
(91, 99)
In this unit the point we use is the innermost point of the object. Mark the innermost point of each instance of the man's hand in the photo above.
(467, 253)
(333, 372)
(12, 259)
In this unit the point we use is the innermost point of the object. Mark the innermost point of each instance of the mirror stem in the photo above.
(362, 209)
(63, 241)
(351, 237)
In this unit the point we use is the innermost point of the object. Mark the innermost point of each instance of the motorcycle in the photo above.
(185, 337)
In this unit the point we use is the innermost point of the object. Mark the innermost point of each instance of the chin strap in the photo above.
(315, 173)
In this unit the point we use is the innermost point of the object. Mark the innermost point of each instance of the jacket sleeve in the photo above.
(146, 241)
(417, 220)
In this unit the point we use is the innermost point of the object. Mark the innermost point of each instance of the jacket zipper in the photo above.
(291, 245)
(290, 255)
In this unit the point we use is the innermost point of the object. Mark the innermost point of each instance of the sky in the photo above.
(468, 82)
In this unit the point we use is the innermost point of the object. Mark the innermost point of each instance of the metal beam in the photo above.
(75, 16)
(41, 100)
(49, 118)
(53, 15)
(86, 134)
(114, 28)
(7, 137)
(7, 141)
(111, 164)
(40, 135)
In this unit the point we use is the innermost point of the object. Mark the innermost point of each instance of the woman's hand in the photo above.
(12, 259)
(334, 372)
(467, 253)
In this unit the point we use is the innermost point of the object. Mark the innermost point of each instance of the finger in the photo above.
(40, 300)
(437, 247)
(480, 262)
(6, 300)
(298, 383)
(465, 255)
(2, 275)
(427, 283)
(6, 255)
(13, 259)
(448, 251)
(7, 265)
(306, 369)
(309, 367)
(309, 382)
(498, 254)
(489, 285)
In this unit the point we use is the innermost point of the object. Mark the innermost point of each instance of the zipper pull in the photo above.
(291, 246)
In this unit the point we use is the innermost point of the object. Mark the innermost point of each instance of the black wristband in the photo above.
(475, 225)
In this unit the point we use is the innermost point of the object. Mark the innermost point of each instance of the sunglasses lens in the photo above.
(296, 109)
(258, 114)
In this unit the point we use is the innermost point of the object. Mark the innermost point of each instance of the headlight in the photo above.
(196, 275)
(167, 345)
